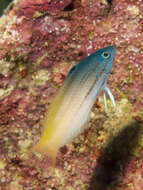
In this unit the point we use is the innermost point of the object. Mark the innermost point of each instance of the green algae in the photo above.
(5, 92)
(37, 14)
(6, 66)
(41, 77)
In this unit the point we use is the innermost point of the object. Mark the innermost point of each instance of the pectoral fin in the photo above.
(105, 101)
(108, 91)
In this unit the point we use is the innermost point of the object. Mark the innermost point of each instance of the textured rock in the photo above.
(40, 40)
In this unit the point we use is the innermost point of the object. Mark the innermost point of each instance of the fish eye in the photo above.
(106, 55)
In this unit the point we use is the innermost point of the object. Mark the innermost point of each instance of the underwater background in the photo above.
(40, 40)
(3, 5)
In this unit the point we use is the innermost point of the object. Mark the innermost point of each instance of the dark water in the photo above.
(3, 5)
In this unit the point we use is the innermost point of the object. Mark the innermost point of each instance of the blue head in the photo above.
(100, 61)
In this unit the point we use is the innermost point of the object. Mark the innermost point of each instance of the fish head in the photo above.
(97, 63)
(105, 58)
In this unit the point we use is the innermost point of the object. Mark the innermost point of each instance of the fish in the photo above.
(70, 110)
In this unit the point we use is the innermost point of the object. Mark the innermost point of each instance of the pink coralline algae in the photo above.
(40, 40)
(28, 7)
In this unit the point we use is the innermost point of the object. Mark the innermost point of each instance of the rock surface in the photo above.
(40, 40)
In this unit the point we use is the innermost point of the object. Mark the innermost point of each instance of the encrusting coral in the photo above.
(40, 40)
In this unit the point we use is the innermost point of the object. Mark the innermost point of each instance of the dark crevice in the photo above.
(110, 2)
(16, 161)
(115, 158)
(3, 5)
(69, 7)
(64, 149)
(80, 53)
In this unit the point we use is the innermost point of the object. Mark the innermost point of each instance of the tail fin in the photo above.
(44, 149)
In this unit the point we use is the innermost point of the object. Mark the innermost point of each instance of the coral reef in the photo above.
(40, 40)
